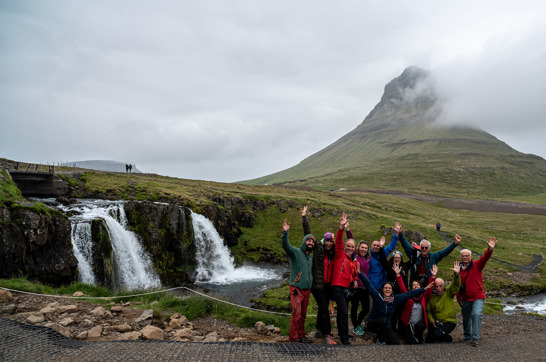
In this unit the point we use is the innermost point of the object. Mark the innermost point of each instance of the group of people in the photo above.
(406, 296)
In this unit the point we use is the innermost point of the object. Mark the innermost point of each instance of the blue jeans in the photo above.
(472, 318)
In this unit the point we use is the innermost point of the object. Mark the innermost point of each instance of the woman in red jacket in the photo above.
(414, 315)
(344, 277)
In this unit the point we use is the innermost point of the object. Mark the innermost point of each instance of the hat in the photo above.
(328, 236)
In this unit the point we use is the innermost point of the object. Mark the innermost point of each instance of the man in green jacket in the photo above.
(301, 280)
(441, 310)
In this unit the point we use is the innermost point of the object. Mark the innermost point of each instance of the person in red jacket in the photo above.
(343, 279)
(471, 294)
(414, 316)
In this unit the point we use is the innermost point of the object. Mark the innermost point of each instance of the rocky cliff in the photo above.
(36, 245)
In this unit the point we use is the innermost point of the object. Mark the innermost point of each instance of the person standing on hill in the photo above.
(323, 262)
(471, 295)
(300, 282)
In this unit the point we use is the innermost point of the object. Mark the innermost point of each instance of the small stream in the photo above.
(527, 304)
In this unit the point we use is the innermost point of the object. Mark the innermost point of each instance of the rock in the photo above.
(78, 294)
(211, 339)
(86, 323)
(82, 335)
(100, 312)
(198, 339)
(33, 319)
(116, 308)
(62, 330)
(184, 333)
(146, 317)
(5, 296)
(152, 333)
(277, 330)
(108, 330)
(270, 327)
(50, 308)
(67, 308)
(66, 322)
(123, 328)
(177, 323)
(130, 336)
(95, 332)
(238, 339)
(176, 316)
(261, 328)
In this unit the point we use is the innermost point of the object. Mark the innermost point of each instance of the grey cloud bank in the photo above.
(231, 91)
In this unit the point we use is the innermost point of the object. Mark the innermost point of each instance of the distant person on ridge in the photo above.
(130, 168)
(438, 226)
(300, 282)
(126, 168)
(323, 263)
(471, 295)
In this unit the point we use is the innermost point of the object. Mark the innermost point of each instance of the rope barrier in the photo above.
(186, 288)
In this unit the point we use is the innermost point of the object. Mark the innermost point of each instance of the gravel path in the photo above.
(22, 342)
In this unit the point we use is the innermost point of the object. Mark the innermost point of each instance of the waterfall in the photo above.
(215, 262)
(83, 251)
(134, 269)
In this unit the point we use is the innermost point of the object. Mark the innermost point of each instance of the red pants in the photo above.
(299, 299)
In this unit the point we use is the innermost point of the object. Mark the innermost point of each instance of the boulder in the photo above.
(184, 333)
(34, 319)
(178, 322)
(152, 333)
(130, 336)
(95, 332)
(116, 308)
(50, 308)
(86, 323)
(82, 335)
(261, 328)
(5, 296)
(145, 318)
(78, 294)
(211, 337)
(67, 308)
(66, 322)
(198, 339)
(100, 312)
(62, 330)
(123, 328)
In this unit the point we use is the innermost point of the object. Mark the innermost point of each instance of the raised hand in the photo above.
(397, 228)
(397, 269)
(304, 211)
(285, 225)
(342, 221)
(429, 286)
(434, 270)
(492, 242)
(457, 239)
(347, 225)
(382, 242)
(456, 267)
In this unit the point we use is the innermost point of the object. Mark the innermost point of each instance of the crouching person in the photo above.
(441, 310)
(300, 282)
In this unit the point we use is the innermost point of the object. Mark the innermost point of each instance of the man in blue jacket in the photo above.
(377, 274)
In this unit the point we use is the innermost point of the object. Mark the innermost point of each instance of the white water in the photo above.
(133, 267)
(530, 304)
(214, 261)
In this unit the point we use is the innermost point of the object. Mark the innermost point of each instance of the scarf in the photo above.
(388, 299)
(418, 298)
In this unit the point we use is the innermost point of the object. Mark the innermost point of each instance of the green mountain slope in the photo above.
(401, 146)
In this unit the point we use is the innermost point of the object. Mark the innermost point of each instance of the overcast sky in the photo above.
(233, 90)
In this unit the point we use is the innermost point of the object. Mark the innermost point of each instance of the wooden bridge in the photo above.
(36, 180)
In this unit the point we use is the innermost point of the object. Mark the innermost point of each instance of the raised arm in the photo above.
(394, 241)
(397, 269)
(433, 273)
(480, 263)
(348, 231)
(339, 235)
(305, 222)
(289, 249)
(456, 284)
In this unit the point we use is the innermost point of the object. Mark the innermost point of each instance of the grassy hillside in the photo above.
(520, 235)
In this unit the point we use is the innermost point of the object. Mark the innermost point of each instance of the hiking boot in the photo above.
(358, 330)
(381, 343)
(318, 334)
(304, 340)
(329, 340)
(474, 343)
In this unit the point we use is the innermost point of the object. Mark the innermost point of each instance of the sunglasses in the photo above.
(424, 247)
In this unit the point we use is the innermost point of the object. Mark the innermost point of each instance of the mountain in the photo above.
(402, 146)
(102, 165)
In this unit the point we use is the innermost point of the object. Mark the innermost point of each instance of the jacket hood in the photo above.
(308, 236)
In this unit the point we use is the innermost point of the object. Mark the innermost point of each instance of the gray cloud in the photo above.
(234, 90)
